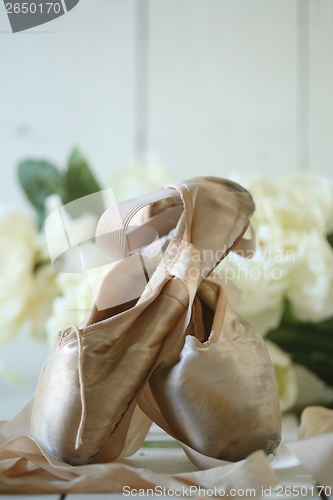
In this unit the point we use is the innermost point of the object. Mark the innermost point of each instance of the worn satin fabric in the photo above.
(122, 349)
(315, 421)
(219, 395)
(26, 465)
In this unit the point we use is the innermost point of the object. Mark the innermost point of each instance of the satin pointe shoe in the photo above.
(91, 383)
(218, 393)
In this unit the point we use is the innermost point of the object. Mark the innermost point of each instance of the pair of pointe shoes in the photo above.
(175, 347)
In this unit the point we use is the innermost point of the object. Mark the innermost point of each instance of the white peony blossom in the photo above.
(139, 179)
(262, 278)
(54, 242)
(39, 306)
(311, 389)
(76, 299)
(285, 376)
(27, 289)
(310, 283)
(17, 258)
(293, 258)
(302, 202)
(319, 190)
(71, 306)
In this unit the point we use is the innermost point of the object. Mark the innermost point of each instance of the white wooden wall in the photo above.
(321, 86)
(204, 86)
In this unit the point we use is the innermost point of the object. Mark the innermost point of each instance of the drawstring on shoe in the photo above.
(78, 441)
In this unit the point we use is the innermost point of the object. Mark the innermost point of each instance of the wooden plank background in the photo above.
(205, 87)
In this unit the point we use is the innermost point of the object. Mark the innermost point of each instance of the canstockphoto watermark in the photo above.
(189, 491)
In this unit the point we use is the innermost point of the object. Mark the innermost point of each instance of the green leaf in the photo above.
(288, 317)
(39, 179)
(330, 239)
(324, 327)
(309, 344)
(300, 339)
(81, 182)
(318, 362)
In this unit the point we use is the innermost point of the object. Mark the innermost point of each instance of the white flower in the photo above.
(39, 306)
(77, 297)
(71, 306)
(27, 289)
(51, 203)
(311, 389)
(301, 202)
(319, 190)
(293, 258)
(310, 283)
(139, 179)
(263, 278)
(54, 242)
(75, 290)
(285, 376)
(17, 258)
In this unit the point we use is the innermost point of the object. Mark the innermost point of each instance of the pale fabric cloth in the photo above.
(25, 467)
(315, 421)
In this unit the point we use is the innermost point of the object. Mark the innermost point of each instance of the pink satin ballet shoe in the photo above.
(91, 383)
(218, 393)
